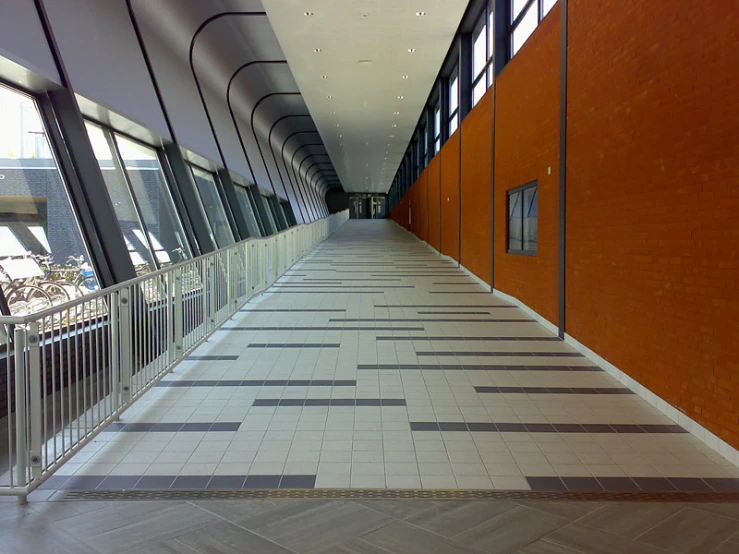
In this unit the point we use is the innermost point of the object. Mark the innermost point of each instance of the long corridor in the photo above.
(376, 364)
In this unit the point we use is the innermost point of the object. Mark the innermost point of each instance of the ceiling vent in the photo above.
(364, 62)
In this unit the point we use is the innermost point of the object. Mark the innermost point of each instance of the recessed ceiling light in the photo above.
(308, 14)
(420, 14)
(405, 77)
(324, 76)
(397, 113)
(400, 97)
(337, 124)
(316, 49)
(394, 125)
(411, 50)
(392, 136)
(329, 96)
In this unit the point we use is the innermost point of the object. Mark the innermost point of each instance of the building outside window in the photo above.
(43, 259)
(453, 102)
(482, 54)
(437, 127)
(205, 182)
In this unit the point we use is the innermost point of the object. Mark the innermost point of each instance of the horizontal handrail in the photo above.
(75, 367)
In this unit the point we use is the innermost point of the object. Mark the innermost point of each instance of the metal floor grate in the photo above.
(399, 494)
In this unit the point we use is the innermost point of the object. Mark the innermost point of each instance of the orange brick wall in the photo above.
(476, 160)
(653, 198)
(526, 147)
(450, 197)
(434, 199)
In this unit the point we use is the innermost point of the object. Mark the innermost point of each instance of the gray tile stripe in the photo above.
(554, 390)
(319, 286)
(544, 427)
(286, 345)
(643, 484)
(173, 482)
(491, 339)
(272, 291)
(482, 354)
(329, 402)
(453, 367)
(459, 292)
(396, 274)
(427, 320)
(345, 280)
(288, 310)
(460, 284)
(335, 328)
(209, 427)
(454, 306)
(453, 313)
(213, 358)
(258, 383)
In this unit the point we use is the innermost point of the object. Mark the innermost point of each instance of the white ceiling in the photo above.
(356, 124)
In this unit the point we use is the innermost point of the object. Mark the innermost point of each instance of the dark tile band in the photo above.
(293, 345)
(553, 390)
(453, 313)
(329, 402)
(257, 383)
(208, 427)
(484, 353)
(213, 358)
(336, 328)
(455, 306)
(427, 320)
(491, 339)
(580, 428)
(293, 310)
(272, 291)
(181, 482)
(453, 367)
(633, 484)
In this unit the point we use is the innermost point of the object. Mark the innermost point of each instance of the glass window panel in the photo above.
(530, 220)
(546, 6)
(479, 91)
(437, 145)
(517, 6)
(515, 238)
(453, 94)
(206, 185)
(40, 241)
(437, 121)
(268, 211)
(479, 51)
(453, 123)
(120, 196)
(155, 202)
(525, 28)
(242, 196)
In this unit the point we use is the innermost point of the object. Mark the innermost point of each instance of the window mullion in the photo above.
(523, 13)
(120, 166)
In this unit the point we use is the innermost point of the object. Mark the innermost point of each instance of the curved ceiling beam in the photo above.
(274, 156)
(284, 144)
(233, 114)
(194, 38)
(254, 131)
(292, 161)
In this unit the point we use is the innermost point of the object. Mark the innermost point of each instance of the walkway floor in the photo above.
(375, 363)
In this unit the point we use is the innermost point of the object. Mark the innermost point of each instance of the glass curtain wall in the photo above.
(207, 187)
(43, 258)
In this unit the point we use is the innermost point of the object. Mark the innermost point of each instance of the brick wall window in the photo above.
(523, 219)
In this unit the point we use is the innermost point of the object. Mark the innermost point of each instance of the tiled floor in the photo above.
(374, 363)
(368, 527)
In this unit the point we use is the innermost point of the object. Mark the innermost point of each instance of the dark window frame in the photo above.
(517, 19)
(509, 195)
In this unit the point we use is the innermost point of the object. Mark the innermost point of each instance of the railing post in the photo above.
(230, 296)
(211, 273)
(21, 462)
(34, 375)
(115, 352)
(125, 344)
(178, 315)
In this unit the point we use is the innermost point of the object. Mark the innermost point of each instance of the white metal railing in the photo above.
(73, 368)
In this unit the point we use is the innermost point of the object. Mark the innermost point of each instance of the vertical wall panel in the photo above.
(652, 198)
(434, 199)
(450, 197)
(476, 160)
(526, 150)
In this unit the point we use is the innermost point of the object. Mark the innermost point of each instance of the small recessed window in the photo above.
(523, 219)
